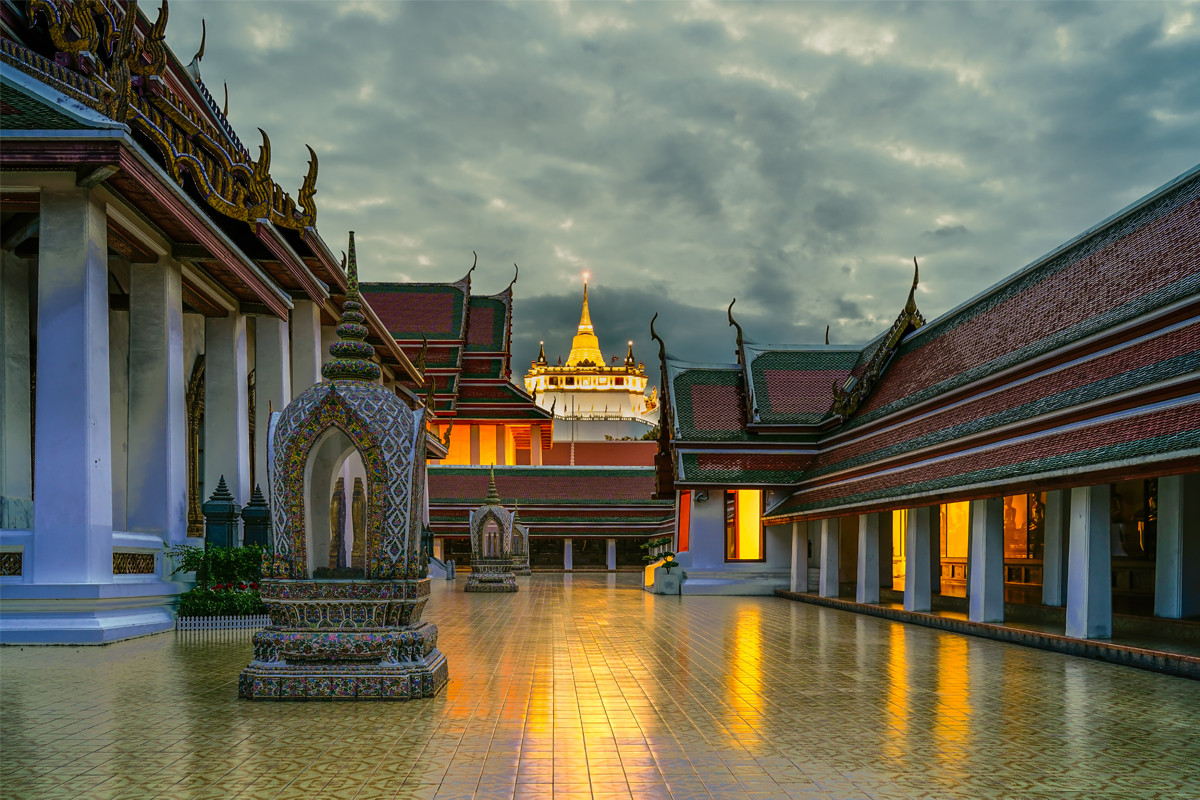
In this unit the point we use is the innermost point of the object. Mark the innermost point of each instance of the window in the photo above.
(685, 521)
(554, 381)
(743, 525)
(569, 381)
(619, 381)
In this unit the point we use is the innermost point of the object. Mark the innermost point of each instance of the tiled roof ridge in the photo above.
(1171, 446)
(1123, 381)
(1148, 302)
(1167, 198)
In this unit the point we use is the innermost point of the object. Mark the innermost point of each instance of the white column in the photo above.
(226, 414)
(437, 548)
(118, 408)
(535, 445)
(157, 464)
(1054, 558)
(272, 386)
(1089, 576)
(917, 548)
(16, 454)
(867, 590)
(829, 558)
(612, 555)
(72, 540)
(1177, 573)
(306, 345)
(799, 557)
(567, 554)
(985, 570)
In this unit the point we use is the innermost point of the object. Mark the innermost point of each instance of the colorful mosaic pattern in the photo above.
(385, 433)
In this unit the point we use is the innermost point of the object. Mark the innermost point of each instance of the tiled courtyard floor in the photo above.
(583, 686)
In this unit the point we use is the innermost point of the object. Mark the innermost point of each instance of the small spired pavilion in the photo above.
(492, 535)
(346, 638)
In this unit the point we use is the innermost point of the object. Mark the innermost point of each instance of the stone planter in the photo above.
(668, 582)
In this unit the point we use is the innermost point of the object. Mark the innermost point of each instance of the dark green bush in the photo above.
(220, 603)
(226, 580)
(216, 565)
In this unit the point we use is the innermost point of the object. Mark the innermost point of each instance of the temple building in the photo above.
(591, 399)
(160, 292)
(462, 342)
(587, 504)
(1038, 445)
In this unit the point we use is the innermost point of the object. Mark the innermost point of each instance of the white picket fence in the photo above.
(221, 623)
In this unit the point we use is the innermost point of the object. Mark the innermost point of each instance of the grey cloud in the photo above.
(793, 155)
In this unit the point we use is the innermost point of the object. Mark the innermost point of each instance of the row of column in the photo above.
(1077, 566)
(285, 362)
(568, 553)
(73, 463)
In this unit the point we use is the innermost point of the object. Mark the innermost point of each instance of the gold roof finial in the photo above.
(585, 347)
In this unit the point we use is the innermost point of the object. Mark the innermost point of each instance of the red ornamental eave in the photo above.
(270, 236)
(30, 153)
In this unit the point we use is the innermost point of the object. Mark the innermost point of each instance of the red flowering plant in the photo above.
(226, 580)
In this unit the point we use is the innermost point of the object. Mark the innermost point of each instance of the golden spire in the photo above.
(585, 346)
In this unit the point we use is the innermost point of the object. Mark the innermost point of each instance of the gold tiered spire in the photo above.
(585, 346)
(493, 497)
(351, 354)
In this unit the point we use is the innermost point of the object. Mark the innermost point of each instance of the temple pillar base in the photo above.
(307, 664)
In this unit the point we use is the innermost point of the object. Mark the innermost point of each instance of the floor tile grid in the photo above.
(708, 697)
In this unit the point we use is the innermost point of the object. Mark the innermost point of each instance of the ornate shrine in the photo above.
(492, 534)
(346, 638)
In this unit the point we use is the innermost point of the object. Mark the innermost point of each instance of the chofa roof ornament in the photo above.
(849, 396)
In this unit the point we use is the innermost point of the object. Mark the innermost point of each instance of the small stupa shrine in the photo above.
(492, 545)
(357, 637)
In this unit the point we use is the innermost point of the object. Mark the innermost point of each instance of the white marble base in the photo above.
(73, 613)
(741, 584)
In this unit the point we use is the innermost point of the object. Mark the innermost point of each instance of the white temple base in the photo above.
(737, 584)
(79, 613)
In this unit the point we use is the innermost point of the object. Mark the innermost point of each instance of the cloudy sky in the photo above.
(793, 155)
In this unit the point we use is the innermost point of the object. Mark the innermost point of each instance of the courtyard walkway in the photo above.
(585, 687)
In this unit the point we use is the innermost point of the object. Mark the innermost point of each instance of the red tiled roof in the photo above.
(545, 485)
(717, 408)
(801, 391)
(616, 454)
(434, 311)
(1145, 260)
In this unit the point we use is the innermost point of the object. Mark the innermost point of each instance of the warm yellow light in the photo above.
(956, 522)
(749, 524)
(899, 525)
(585, 277)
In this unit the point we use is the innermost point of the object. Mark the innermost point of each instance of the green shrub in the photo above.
(221, 601)
(226, 580)
(214, 565)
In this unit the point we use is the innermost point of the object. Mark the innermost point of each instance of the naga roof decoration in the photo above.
(104, 63)
(848, 396)
(664, 462)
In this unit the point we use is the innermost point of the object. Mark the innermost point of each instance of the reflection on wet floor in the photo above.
(586, 687)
